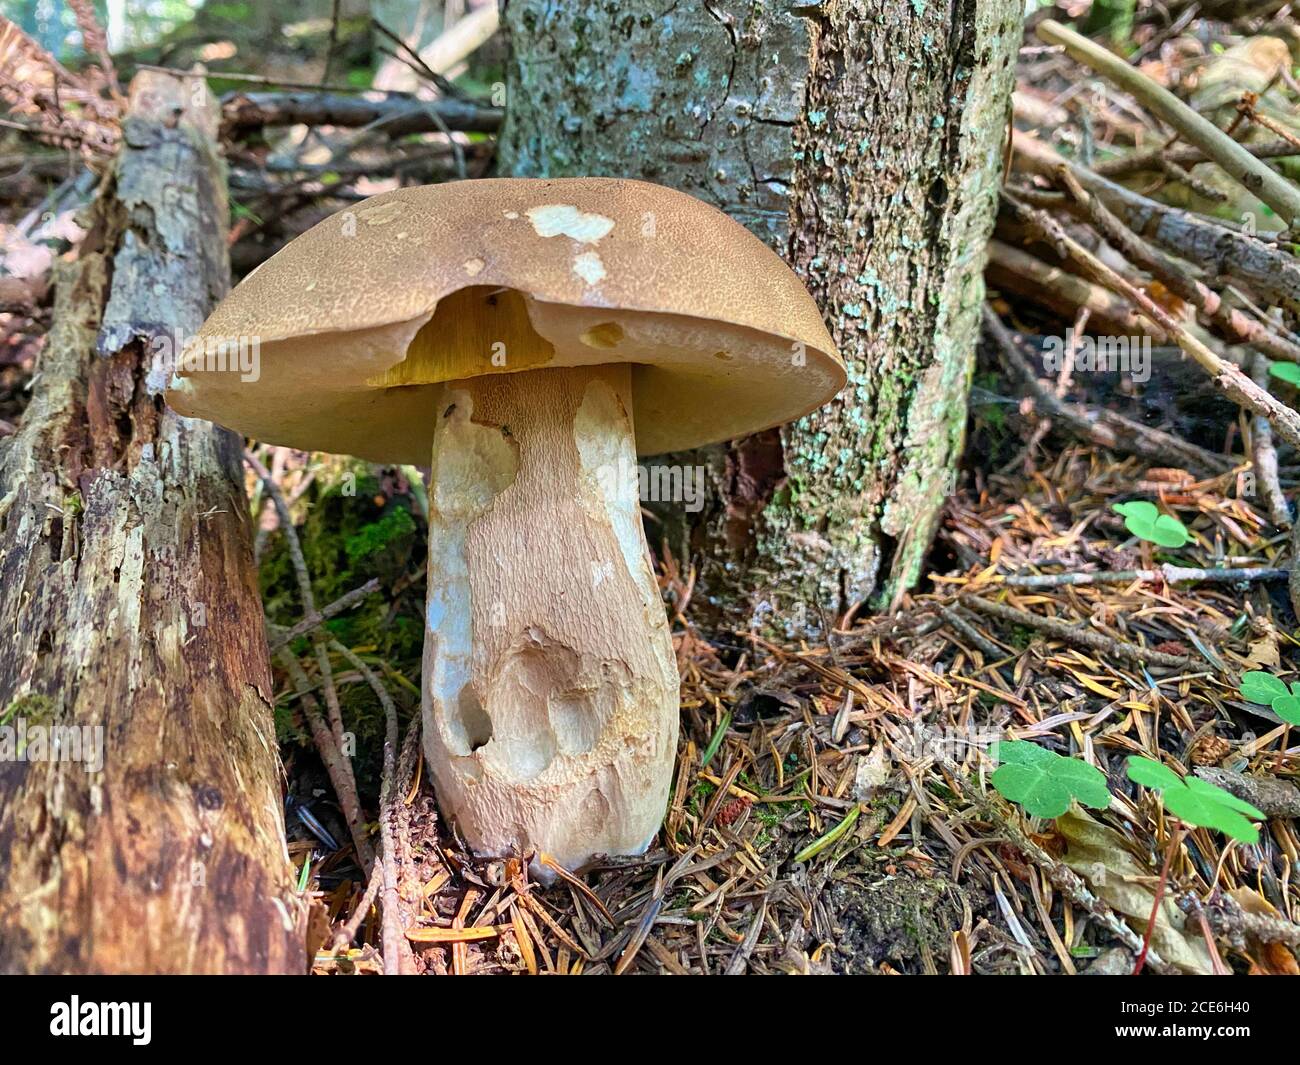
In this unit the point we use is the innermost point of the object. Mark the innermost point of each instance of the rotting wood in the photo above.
(130, 610)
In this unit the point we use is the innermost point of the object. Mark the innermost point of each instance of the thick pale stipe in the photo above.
(550, 685)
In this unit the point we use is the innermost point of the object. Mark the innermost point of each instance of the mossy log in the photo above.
(152, 838)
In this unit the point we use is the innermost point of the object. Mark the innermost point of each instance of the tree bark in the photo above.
(862, 139)
(130, 611)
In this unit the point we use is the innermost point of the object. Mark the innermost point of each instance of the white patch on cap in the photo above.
(589, 267)
(474, 266)
(563, 219)
(383, 213)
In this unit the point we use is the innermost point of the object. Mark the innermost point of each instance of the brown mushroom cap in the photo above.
(351, 319)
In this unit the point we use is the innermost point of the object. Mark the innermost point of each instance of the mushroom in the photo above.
(528, 337)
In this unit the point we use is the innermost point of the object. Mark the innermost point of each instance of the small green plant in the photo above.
(1197, 802)
(1286, 371)
(1268, 690)
(1145, 522)
(1044, 782)
(1110, 19)
(831, 837)
(238, 210)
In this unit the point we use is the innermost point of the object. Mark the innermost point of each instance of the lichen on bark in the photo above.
(862, 141)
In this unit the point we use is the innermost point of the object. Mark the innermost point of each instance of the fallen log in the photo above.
(141, 827)
(396, 114)
(1273, 274)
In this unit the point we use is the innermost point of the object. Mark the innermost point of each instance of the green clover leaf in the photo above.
(1044, 782)
(1267, 690)
(1285, 371)
(1196, 801)
(1260, 687)
(1145, 522)
(1287, 707)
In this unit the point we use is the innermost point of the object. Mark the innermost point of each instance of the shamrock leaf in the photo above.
(1287, 707)
(1268, 690)
(1196, 801)
(1043, 782)
(1285, 371)
(1146, 523)
(1260, 687)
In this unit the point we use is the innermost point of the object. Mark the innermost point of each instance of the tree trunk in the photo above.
(862, 139)
(149, 836)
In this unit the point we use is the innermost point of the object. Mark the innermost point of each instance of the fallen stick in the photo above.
(1227, 377)
(1185, 155)
(1167, 573)
(397, 115)
(299, 565)
(1235, 325)
(337, 766)
(1263, 455)
(453, 46)
(971, 633)
(1272, 797)
(1227, 918)
(1073, 633)
(1012, 269)
(397, 955)
(1107, 429)
(318, 618)
(1215, 248)
(1252, 174)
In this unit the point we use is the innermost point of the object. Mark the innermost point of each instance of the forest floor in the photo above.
(832, 808)
(832, 812)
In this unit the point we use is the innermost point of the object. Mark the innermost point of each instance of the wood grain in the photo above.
(129, 605)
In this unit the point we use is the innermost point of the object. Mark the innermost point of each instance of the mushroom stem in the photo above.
(550, 683)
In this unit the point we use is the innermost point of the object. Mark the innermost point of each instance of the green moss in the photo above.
(355, 529)
(349, 536)
(1021, 637)
(33, 708)
(390, 535)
